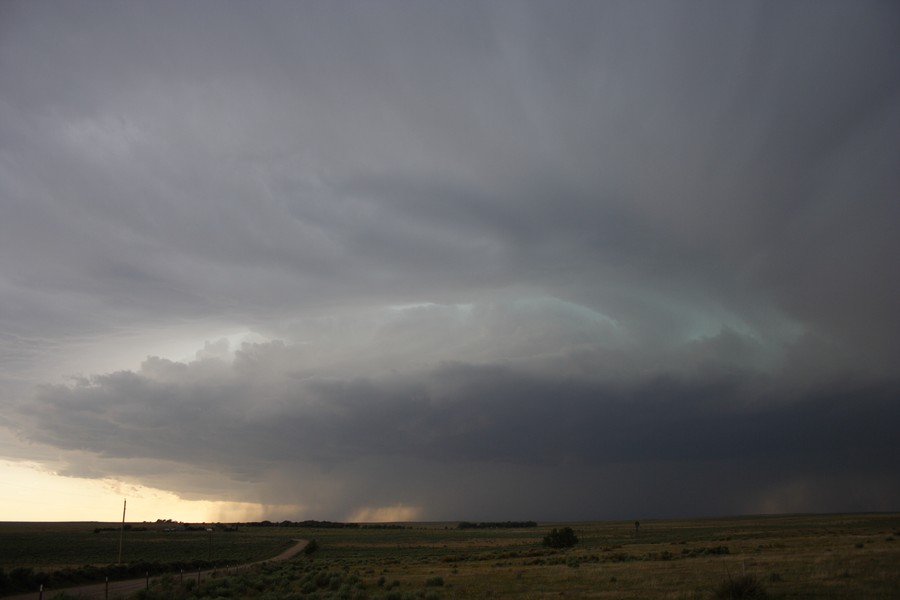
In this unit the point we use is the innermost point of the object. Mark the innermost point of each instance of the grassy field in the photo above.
(48, 546)
(813, 556)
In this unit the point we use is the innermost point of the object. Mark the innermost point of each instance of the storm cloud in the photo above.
(456, 256)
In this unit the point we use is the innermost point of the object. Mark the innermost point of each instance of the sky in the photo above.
(422, 260)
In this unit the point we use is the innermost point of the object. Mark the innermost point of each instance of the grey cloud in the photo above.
(611, 212)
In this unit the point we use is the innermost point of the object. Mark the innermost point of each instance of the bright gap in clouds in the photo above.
(31, 493)
(129, 349)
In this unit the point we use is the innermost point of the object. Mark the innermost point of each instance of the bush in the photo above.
(311, 547)
(435, 582)
(560, 538)
(745, 587)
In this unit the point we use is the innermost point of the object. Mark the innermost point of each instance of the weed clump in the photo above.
(745, 587)
(560, 538)
(311, 547)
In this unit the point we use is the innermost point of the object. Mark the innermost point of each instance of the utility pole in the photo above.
(122, 531)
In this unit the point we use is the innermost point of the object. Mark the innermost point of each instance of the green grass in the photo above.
(796, 557)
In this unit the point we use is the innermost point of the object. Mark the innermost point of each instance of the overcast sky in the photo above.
(454, 260)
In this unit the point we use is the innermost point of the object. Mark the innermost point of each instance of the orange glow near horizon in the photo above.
(31, 493)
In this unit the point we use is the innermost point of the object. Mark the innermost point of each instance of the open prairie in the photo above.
(797, 556)
(49, 546)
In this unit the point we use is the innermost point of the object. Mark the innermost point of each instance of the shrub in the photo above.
(745, 587)
(435, 582)
(311, 547)
(560, 538)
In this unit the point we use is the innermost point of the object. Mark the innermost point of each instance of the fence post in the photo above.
(148, 579)
(106, 593)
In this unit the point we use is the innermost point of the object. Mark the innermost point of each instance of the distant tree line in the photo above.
(126, 527)
(496, 525)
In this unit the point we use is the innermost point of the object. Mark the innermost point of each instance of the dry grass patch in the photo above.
(797, 557)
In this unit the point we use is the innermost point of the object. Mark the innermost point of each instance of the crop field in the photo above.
(798, 556)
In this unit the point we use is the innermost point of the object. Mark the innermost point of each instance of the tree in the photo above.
(561, 538)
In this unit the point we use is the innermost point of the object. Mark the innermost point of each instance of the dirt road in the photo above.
(123, 589)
